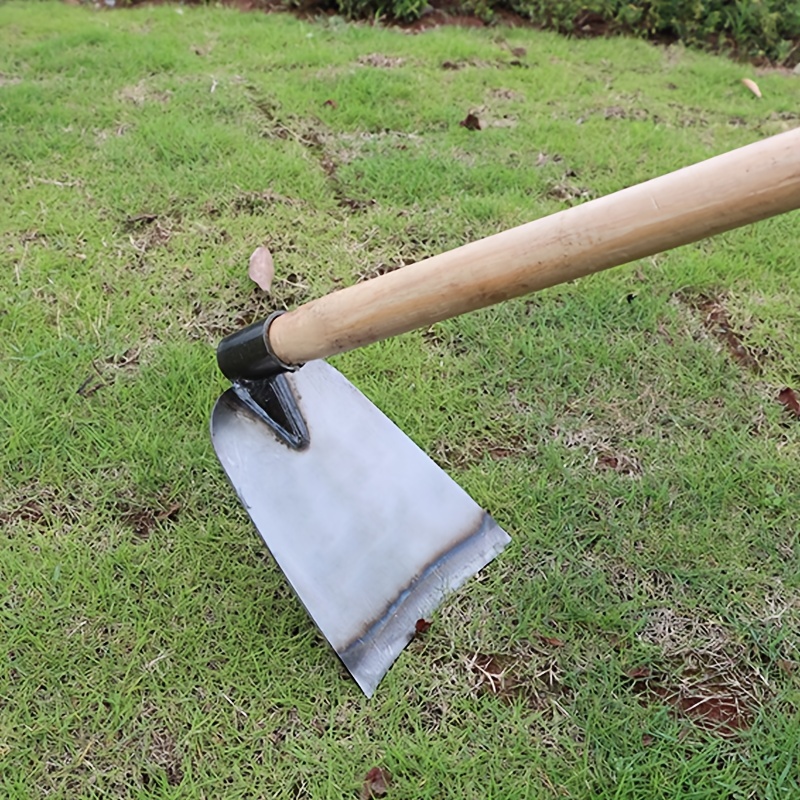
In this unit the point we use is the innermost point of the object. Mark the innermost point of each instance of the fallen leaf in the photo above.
(376, 783)
(331, 104)
(788, 397)
(471, 123)
(752, 86)
(422, 626)
(261, 269)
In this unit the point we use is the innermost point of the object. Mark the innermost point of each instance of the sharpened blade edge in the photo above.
(369, 658)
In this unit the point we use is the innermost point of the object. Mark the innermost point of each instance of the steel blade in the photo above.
(370, 533)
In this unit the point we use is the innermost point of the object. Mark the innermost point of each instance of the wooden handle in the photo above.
(730, 190)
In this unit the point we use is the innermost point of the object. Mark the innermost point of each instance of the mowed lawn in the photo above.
(638, 639)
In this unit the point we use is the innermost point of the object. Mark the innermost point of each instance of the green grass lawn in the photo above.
(639, 638)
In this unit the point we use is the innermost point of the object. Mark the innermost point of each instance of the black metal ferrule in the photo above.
(246, 354)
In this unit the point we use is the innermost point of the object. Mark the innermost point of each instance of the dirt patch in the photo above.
(24, 511)
(33, 236)
(467, 453)
(290, 291)
(482, 118)
(42, 506)
(106, 133)
(140, 93)
(279, 125)
(344, 147)
(569, 192)
(715, 320)
(605, 454)
(493, 674)
(506, 94)
(708, 678)
(354, 205)
(330, 150)
(709, 705)
(618, 112)
(529, 673)
(462, 63)
(141, 520)
(147, 231)
(256, 202)
(163, 753)
(381, 61)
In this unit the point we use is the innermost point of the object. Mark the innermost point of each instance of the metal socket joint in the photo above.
(247, 356)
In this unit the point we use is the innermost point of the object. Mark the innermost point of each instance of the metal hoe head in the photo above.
(370, 533)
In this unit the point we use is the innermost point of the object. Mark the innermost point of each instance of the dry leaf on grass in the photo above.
(422, 626)
(376, 783)
(788, 398)
(471, 122)
(261, 269)
(752, 86)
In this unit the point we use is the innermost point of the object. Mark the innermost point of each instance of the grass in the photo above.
(640, 636)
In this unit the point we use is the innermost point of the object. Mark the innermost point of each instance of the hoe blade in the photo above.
(370, 533)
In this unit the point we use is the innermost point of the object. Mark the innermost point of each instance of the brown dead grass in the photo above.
(601, 449)
(381, 61)
(530, 673)
(472, 451)
(716, 321)
(148, 231)
(140, 93)
(710, 676)
(164, 753)
(43, 506)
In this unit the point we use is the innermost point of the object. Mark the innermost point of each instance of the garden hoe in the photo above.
(369, 532)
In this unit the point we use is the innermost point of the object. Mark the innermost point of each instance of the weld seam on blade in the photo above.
(369, 657)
